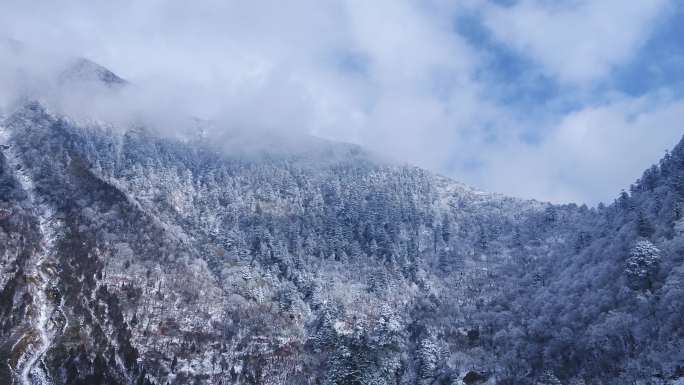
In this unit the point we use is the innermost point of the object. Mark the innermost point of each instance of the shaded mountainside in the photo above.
(128, 258)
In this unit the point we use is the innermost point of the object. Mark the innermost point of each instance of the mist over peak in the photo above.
(87, 93)
(84, 70)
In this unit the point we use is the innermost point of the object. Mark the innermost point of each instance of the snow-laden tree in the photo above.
(642, 265)
(429, 358)
(342, 370)
(548, 378)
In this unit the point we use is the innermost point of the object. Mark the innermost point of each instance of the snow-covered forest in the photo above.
(130, 258)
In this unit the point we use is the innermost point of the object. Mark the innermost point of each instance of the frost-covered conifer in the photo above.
(642, 265)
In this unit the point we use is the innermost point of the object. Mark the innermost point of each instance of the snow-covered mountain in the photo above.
(129, 257)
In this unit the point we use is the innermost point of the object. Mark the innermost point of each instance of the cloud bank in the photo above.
(399, 77)
(579, 41)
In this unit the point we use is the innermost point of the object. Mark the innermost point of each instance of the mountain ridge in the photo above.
(174, 262)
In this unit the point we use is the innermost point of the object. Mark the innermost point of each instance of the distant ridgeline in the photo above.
(128, 258)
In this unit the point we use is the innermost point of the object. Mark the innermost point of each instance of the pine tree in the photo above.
(644, 226)
(623, 200)
(174, 363)
(341, 369)
(446, 229)
(642, 265)
(428, 358)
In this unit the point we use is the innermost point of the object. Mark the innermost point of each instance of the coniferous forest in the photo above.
(128, 257)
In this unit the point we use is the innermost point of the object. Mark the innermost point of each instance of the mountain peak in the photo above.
(82, 70)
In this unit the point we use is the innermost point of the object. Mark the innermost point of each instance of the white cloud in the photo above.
(591, 153)
(392, 75)
(281, 67)
(577, 41)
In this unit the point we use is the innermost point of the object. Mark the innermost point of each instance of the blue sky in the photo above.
(567, 101)
(608, 95)
(657, 63)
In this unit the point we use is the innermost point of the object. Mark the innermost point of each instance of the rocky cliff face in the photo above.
(126, 258)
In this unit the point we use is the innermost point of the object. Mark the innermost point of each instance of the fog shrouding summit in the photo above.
(470, 89)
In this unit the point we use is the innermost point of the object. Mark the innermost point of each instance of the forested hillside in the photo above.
(611, 310)
(129, 257)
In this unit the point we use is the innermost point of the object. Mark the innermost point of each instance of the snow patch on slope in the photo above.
(44, 313)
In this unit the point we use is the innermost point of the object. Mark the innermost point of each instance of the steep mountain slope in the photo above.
(614, 311)
(127, 257)
(178, 245)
